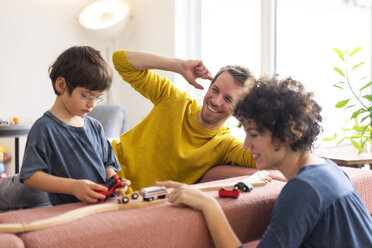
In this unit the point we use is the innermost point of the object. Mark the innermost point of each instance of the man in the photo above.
(179, 139)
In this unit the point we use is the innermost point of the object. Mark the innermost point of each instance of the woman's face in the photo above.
(266, 153)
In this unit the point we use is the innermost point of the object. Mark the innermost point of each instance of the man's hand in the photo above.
(189, 69)
(85, 191)
(194, 69)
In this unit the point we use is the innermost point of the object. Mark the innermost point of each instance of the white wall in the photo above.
(151, 29)
(34, 32)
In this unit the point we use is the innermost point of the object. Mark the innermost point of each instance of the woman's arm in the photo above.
(222, 234)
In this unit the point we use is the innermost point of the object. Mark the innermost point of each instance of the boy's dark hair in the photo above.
(241, 74)
(81, 66)
(285, 109)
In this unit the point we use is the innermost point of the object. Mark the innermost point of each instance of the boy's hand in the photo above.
(123, 187)
(85, 191)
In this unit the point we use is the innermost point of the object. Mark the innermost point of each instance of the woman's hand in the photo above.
(185, 195)
(219, 227)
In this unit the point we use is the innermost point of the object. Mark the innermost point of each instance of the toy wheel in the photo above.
(245, 189)
(162, 196)
(149, 199)
(124, 200)
(134, 196)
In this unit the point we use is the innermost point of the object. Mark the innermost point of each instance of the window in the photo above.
(307, 31)
(229, 35)
(220, 32)
(302, 36)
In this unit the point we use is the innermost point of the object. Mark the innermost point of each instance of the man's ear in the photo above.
(60, 85)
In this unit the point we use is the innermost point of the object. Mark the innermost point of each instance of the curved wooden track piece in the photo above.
(74, 215)
(259, 178)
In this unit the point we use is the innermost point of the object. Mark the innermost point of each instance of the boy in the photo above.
(67, 153)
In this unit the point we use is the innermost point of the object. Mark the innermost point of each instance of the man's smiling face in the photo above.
(219, 101)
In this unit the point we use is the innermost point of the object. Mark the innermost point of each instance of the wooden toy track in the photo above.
(258, 179)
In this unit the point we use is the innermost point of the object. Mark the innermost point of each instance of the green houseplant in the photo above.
(358, 128)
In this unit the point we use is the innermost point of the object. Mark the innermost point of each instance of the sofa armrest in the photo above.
(220, 172)
(162, 225)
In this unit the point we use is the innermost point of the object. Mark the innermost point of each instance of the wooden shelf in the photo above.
(345, 156)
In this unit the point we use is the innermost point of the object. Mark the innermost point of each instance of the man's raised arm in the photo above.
(189, 69)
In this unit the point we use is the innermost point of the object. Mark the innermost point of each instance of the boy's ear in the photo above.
(60, 84)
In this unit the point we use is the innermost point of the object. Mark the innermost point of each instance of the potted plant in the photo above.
(358, 128)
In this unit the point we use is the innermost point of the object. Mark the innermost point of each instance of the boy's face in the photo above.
(81, 101)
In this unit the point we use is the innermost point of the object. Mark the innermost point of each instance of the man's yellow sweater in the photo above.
(170, 143)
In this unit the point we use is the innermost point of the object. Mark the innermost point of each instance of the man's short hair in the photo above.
(241, 74)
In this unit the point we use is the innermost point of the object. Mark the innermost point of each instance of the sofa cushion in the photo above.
(227, 171)
(250, 214)
(361, 179)
(9, 240)
(162, 225)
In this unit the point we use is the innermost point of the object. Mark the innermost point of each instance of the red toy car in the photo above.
(226, 193)
(112, 183)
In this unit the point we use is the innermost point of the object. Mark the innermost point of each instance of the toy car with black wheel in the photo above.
(126, 198)
(244, 186)
(149, 193)
(228, 193)
(112, 183)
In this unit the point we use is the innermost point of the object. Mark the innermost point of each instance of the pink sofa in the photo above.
(165, 225)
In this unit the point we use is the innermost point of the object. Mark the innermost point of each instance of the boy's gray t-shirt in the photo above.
(70, 152)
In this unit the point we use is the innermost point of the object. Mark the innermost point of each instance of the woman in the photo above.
(319, 206)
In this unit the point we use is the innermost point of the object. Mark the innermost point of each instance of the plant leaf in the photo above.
(342, 104)
(330, 138)
(369, 97)
(358, 112)
(350, 106)
(339, 71)
(339, 87)
(358, 49)
(358, 128)
(364, 129)
(366, 86)
(356, 145)
(339, 53)
(342, 140)
(364, 118)
(360, 79)
(356, 66)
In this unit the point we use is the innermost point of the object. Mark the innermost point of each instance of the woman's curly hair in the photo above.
(284, 108)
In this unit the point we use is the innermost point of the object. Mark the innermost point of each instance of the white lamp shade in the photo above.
(107, 16)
